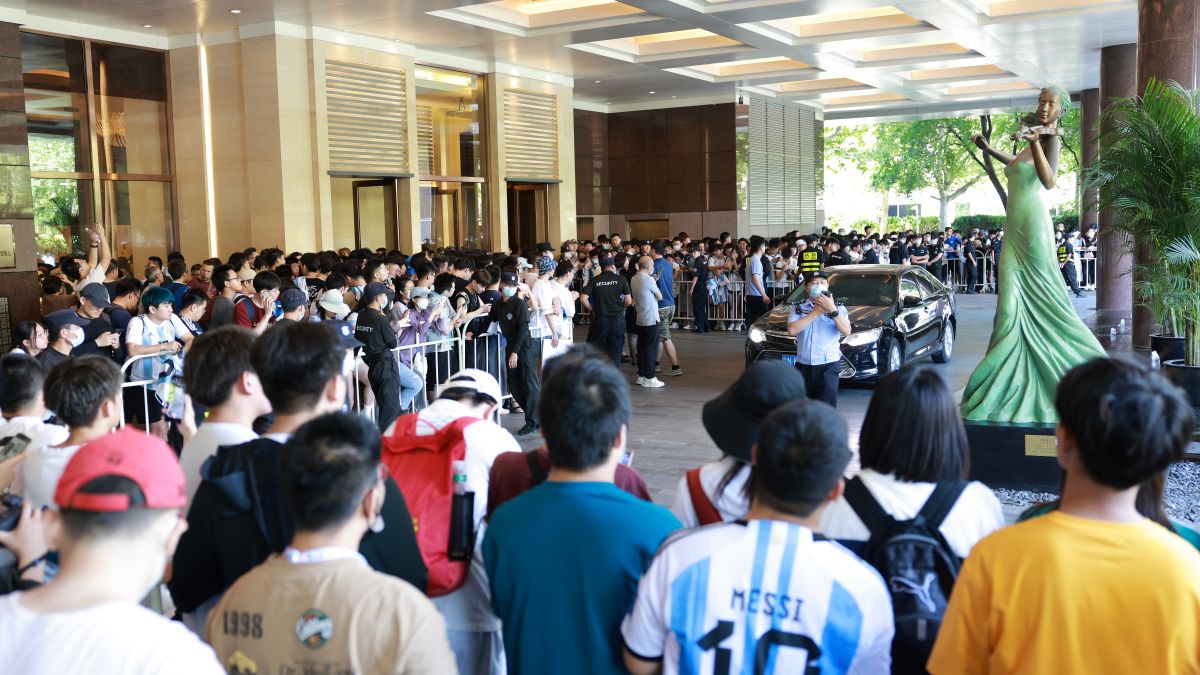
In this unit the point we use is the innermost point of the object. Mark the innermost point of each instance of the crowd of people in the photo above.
(325, 544)
(283, 530)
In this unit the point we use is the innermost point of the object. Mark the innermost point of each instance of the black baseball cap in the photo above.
(817, 275)
(372, 290)
(508, 279)
(292, 299)
(97, 294)
(733, 419)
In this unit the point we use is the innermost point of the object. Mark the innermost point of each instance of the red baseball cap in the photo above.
(145, 460)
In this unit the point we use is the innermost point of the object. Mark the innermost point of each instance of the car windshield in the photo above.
(856, 289)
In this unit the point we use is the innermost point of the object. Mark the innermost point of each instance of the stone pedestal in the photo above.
(1014, 456)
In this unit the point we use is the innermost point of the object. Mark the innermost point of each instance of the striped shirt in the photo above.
(760, 597)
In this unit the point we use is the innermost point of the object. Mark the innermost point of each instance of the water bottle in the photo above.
(459, 468)
(462, 516)
(1155, 362)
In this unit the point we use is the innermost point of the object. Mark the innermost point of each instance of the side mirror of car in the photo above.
(909, 303)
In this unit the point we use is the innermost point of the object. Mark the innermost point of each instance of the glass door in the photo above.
(526, 215)
(375, 216)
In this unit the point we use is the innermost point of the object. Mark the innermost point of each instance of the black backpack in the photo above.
(917, 564)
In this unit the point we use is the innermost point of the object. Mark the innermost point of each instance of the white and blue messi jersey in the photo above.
(760, 597)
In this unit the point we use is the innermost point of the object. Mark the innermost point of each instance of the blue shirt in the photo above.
(564, 561)
(753, 267)
(666, 282)
(953, 243)
(820, 342)
(177, 290)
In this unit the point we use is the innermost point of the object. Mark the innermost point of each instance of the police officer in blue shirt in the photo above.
(819, 324)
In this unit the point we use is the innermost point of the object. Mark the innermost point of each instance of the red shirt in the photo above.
(246, 313)
(511, 476)
(210, 291)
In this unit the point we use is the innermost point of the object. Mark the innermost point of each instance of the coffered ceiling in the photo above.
(852, 59)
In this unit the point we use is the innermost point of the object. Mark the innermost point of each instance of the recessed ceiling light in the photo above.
(147, 25)
(599, 82)
(674, 97)
(652, 92)
(235, 11)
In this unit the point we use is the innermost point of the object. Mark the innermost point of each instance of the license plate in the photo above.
(790, 359)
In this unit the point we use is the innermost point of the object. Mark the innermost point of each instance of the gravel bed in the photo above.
(1182, 494)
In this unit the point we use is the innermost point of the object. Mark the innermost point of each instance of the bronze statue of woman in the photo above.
(1037, 335)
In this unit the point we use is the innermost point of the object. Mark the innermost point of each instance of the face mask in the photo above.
(816, 291)
(341, 316)
(509, 291)
(77, 339)
(569, 255)
(423, 303)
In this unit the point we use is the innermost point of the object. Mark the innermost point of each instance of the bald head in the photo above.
(645, 263)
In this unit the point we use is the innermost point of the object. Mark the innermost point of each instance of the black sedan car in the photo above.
(898, 314)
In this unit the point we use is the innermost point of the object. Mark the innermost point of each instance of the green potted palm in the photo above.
(1149, 174)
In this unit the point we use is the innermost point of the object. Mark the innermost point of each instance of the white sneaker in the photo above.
(641, 380)
(653, 383)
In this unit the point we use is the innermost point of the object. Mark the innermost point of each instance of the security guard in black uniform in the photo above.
(523, 352)
(606, 296)
(810, 261)
(378, 338)
(1066, 263)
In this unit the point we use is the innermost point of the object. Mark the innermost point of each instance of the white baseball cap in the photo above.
(473, 379)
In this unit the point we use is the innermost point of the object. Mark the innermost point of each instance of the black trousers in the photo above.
(439, 371)
(608, 334)
(971, 276)
(523, 380)
(384, 377)
(700, 309)
(1071, 277)
(755, 307)
(821, 381)
(647, 350)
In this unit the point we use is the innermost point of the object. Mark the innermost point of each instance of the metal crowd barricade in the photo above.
(126, 383)
(1087, 267)
(485, 352)
(984, 278)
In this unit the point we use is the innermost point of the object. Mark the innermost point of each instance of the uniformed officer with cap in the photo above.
(523, 352)
(819, 323)
(811, 260)
(606, 296)
(1066, 263)
(373, 330)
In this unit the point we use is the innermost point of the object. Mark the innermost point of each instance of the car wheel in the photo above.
(895, 358)
(947, 351)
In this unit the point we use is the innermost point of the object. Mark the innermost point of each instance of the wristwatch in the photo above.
(834, 314)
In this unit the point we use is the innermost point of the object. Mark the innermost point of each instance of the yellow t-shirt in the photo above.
(1064, 594)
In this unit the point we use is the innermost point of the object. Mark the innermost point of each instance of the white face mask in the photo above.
(341, 316)
(76, 337)
(422, 303)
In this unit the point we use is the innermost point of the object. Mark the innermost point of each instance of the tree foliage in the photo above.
(937, 155)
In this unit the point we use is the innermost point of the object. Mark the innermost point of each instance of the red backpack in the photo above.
(422, 466)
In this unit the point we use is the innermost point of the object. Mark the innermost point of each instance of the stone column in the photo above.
(1114, 266)
(19, 296)
(1089, 119)
(1168, 49)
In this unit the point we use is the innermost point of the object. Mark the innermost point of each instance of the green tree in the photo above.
(912, 156)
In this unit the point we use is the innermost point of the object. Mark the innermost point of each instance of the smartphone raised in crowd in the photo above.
(13, 445)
